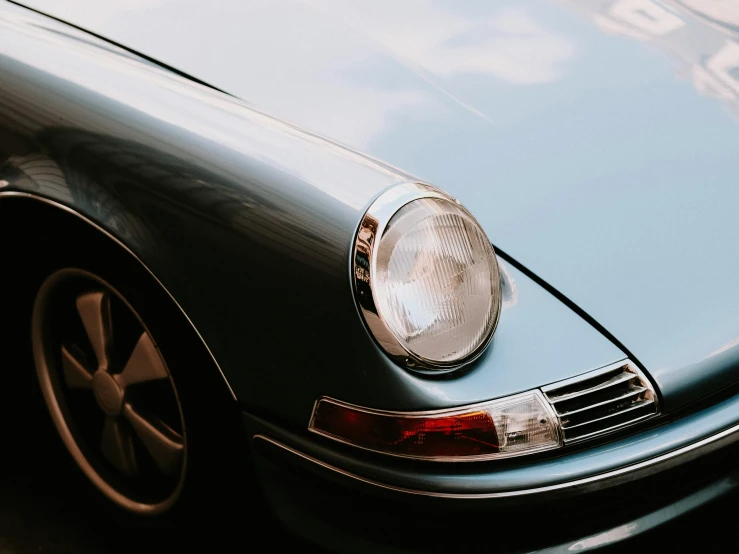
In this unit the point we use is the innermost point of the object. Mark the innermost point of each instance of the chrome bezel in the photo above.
(370, 231)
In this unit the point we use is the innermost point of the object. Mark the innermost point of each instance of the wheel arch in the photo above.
(32, 216)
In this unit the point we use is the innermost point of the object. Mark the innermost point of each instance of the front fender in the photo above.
(248, 222)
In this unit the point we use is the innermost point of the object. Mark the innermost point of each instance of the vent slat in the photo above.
(633, 391)
(635, 406)
(607, 429)
(602, 395)
(623, 377)
(602, 401)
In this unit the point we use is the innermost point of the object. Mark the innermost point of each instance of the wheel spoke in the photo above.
(94, 309)
(75, 374)
(117, 446)
(145, 364)
(163, 443)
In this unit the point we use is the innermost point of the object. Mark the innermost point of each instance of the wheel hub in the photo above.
(108, 393)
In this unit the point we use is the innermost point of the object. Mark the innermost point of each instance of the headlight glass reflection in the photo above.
(436, 281)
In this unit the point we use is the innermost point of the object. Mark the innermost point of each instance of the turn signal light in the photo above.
(511, 426)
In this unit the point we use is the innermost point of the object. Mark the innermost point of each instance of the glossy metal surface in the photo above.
(601, 466)
(17, 194)
(551, 396)
(364, 258)
(593, 400)
(248, 222)
(724, 486)
(606, 532)
(596, 482)
(597, 142)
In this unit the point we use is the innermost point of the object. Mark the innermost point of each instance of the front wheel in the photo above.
(138, 401)
(109, 391)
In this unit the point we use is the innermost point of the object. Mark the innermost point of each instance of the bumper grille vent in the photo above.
(602, 401)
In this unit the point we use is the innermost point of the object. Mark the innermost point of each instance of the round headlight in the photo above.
(426, 278)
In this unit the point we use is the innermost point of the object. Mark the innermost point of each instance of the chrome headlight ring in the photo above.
(458, 235)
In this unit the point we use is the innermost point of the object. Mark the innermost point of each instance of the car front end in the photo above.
(523, 339)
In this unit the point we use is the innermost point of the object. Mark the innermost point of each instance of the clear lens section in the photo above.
(524, 424)
(436, 281)
(508, 427)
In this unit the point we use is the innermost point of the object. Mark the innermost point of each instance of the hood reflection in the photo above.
(703, 36)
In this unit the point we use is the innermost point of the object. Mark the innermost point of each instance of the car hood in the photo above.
(596, 142)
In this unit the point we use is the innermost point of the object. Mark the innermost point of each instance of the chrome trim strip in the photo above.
(63, 207)
(585, 376)
(612, 382)
(599, 481)
(636, 406)
(425, 413)
(363, 261)
(628, 372)
(635, 392)
(606, 430)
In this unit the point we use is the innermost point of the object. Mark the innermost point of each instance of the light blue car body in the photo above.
(596, 142)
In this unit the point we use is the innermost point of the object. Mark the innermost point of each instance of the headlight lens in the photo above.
(436, 280)
(427, 278)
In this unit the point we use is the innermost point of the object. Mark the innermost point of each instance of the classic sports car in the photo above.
(437, 275)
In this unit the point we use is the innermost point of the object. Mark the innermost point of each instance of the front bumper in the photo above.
(585, 499)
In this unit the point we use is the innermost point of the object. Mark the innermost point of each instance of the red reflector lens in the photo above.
(444, 435)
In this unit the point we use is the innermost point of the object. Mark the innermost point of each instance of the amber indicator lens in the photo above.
(452, 435)
(501, 428)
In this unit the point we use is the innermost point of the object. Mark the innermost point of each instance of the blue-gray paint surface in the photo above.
(597, 142)
(675, 442)
(249, 223)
